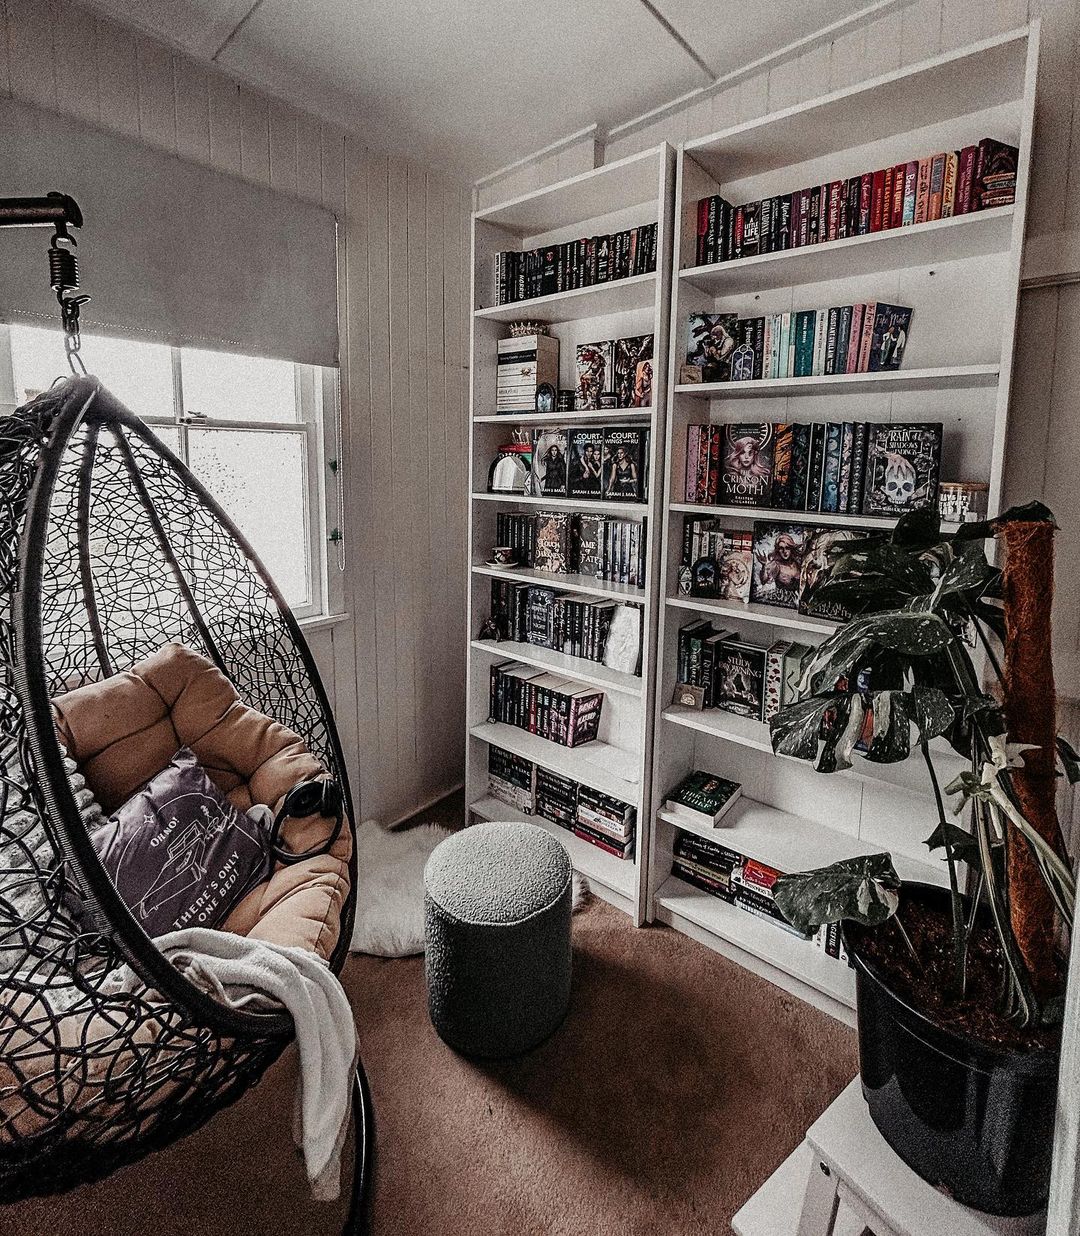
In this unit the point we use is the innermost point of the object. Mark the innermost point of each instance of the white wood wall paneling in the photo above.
(396, 670)
(30, 50)
(347, 178)
(225, 125)
(432, 423)
(254, 136)
(397, 509)
(76, 46)
(157, 95)
(191, 85)
(118, 78)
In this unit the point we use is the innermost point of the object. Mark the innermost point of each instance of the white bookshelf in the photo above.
(961, 276)
(633, 191)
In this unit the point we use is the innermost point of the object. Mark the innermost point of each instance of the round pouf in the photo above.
(497, 904)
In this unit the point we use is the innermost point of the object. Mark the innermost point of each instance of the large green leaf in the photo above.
(890, 740)
(967, 569)
(864, 889)
(960, 843)
(796, 729)
(908, 632)
(918, 529)
(931, 711)
(1029, 513)
(1070, 761)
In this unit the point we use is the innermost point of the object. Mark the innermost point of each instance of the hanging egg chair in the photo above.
(111, 552)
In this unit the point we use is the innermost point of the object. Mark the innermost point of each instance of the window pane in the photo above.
(260, 480)
(139, 374)
(170, 435)
(238, 388)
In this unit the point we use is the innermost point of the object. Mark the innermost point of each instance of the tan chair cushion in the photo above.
(123, 730)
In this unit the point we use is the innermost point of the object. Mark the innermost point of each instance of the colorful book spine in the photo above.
(817, 367)
(866, 342)
(911, 190)
(851, 360)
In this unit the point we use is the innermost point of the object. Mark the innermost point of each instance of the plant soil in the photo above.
(927, 988)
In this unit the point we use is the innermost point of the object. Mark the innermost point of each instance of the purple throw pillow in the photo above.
(179, 853)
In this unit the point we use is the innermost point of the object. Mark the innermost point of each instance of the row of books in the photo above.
(774, 564)
(834, 467)
(938, 186)
(611, 462)
(574, 264)
(864, 338)
(568, 623)
(737, 675)
(568, 543)
(548, 705)
(597, 818)
(742, 882)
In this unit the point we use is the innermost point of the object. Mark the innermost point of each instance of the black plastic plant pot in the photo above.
(974, 1120)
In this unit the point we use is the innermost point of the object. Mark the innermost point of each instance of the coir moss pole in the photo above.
(1030, 709)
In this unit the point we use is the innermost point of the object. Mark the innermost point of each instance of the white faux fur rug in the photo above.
(390, 889)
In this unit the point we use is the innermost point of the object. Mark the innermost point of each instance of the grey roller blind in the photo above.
(170, 250)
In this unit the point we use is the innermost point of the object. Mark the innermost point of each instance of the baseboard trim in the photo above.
(427, 804)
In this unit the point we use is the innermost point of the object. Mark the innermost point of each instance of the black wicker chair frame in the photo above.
(109, 548)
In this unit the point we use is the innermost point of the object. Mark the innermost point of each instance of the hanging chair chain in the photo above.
(64, 280)
(58, 211)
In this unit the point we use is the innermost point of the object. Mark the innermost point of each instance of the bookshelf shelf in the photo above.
(922, 244)
(617, 296)
(959, 372)
(615, 874)
(598, 764)
(588, 672)
(793, 843)
(614, 415)
(679, 904)
(601, 507)
(630, 183)
(748, 611)
(564, 583)
(798, 517)
(625, 194)
(945, 378)
(976, 78)
(754, 735)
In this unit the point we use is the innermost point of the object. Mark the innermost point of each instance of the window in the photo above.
(251, 429)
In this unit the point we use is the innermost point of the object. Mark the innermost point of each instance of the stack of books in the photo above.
(703, 798)
(568, 543)
(938, 186)
(743, 882)
(833, 467)
(603, 821)
(568, 623)
(524, 363)
(549, 705)
(574, 264)
(864, 338)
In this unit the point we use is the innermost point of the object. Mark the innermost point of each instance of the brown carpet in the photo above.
(676, 1085)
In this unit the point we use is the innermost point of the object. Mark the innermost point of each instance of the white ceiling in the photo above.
(474, 84)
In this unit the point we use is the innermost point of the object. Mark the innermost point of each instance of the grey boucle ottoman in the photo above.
(497, 903)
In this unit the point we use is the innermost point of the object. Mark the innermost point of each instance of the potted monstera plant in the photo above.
(960, 988)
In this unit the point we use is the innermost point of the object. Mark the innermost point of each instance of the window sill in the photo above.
(322, 622)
